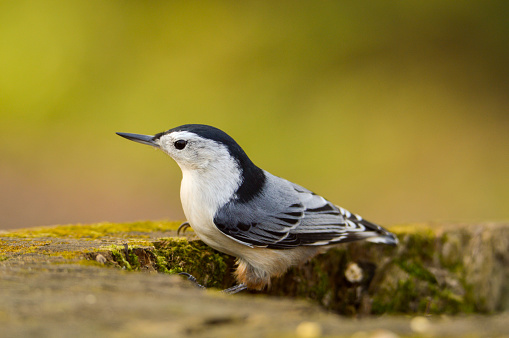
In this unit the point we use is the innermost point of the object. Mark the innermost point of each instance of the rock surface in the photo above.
(56, 282)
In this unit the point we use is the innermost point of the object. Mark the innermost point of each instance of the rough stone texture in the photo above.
(57, 283)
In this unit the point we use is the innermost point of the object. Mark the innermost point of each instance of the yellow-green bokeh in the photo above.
(397, 110)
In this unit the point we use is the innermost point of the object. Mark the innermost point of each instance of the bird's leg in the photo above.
(183, 227)
(192, 279)
(235, 289)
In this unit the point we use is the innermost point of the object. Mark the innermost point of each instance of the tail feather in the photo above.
(380, 235)
(388, 238)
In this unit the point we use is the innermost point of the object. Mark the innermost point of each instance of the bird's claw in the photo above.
(192, 279)
(183, 227)
(235, 289)
(229, 291)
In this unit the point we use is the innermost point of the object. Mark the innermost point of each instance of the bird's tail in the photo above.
(380, 235)
(388, 238)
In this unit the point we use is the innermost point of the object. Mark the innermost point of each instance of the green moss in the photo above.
(161, 264)
(133, 260)
(323, 285)
(136, 243)
(30, 246)
(445, 301)
(420, 245)
(478, 305)
(396, 301)
(98, 230)
(411, 228)
(70, 255)
(416, 269)
(418, 290)
(175, 255)
(414, 296)
(210, 267)
(117, 252)
(449, 255)
(23, 247)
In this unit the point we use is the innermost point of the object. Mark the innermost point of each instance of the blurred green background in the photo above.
(396, 110)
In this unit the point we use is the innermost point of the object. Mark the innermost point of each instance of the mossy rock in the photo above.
(436, 268)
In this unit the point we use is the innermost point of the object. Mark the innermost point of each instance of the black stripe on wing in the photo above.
(255, 228)
(350, 227)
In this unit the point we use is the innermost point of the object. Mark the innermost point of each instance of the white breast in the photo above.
(204, 191)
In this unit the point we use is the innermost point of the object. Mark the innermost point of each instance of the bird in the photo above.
(268, 223)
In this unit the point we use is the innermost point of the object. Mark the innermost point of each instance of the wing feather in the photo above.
(285, 215)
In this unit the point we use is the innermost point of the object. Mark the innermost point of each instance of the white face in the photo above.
(192, 152)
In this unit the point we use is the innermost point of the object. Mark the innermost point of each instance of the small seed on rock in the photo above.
(100, 258)
(353, 273)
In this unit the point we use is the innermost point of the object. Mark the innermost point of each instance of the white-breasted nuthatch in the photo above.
(265, 221)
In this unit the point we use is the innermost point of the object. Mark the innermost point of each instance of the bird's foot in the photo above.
(229, 291)
(183, 227)
(235, 289)
(192, 279)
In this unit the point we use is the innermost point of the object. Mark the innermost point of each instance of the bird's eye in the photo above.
(180, 144)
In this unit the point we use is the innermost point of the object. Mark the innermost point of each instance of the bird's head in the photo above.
(196, 147)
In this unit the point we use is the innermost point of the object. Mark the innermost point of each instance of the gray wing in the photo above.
(285, 215)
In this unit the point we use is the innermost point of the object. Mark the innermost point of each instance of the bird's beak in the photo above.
(145, 139)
